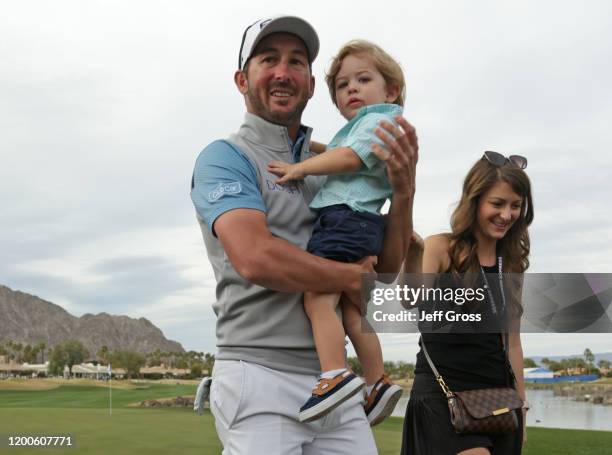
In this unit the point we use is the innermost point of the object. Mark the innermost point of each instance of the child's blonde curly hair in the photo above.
(384, 63)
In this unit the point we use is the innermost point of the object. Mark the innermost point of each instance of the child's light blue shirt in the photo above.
(366, 189)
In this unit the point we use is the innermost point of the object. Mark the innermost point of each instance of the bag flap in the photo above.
(483, 403)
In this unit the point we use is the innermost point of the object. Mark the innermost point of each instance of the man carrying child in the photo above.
(256, 231)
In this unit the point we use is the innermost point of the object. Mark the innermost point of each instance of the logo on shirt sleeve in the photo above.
(224, 188)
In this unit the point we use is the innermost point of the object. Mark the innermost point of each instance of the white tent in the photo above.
(537, 373)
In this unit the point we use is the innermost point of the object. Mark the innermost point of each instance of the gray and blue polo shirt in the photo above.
(254, 323)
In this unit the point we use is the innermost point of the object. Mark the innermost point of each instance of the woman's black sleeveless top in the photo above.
(468, 361)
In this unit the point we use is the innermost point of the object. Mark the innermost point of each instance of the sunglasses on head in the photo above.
(497, 159)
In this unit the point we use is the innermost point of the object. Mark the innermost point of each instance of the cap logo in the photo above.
(282, 24)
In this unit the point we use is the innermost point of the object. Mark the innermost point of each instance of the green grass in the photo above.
(69, 396)
(567, 442)
(126, 431)
(82, 412)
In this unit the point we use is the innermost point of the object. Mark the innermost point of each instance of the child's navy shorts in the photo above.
(345, 235)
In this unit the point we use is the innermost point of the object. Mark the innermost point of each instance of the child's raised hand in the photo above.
(286, 171)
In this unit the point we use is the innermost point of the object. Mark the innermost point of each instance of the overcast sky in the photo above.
(106, 105)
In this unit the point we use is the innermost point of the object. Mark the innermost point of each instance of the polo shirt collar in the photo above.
(386, 108)
(275, 137)
(296, 148)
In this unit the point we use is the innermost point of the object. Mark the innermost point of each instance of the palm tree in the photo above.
(28, 354)
(10, 346)
(209, 362)
(103, 354)
(18, 347)
(41, 348)
(529, 363)
(590, 358)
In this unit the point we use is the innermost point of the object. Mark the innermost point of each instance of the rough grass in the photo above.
(52, 383)
(26, 384)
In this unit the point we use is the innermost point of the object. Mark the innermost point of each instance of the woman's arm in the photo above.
(426, 256)
(515, 355)
(413, 262)
(423, 260)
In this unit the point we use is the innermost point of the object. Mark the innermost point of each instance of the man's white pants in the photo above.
(256, 413)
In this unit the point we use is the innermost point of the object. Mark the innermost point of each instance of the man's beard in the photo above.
(279, 118)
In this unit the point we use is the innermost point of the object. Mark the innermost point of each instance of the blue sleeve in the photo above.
(361, 137)
(224, 179)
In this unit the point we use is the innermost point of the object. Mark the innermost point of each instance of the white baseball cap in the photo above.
(288, 24)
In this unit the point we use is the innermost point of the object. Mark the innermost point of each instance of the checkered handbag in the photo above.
(489, 411)
(482, 411)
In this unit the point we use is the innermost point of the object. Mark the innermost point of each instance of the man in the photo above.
(255, 232)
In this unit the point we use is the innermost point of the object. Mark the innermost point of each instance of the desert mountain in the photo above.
(28, 319)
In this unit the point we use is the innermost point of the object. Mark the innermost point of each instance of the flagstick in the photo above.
(110, 390)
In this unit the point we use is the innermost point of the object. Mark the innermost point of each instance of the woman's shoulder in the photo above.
(437, 251)
(438, 242)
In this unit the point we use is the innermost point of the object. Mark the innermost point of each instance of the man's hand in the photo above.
(400, 155)
(366, 265)
(286, 171)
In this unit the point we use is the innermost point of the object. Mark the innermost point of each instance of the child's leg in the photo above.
(381, 394)
(366, 344)
(337, 383)
(327, 329)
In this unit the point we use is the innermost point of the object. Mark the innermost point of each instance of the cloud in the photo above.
(101, 127)
(118, 285)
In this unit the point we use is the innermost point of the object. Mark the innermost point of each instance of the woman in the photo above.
(489, 233)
